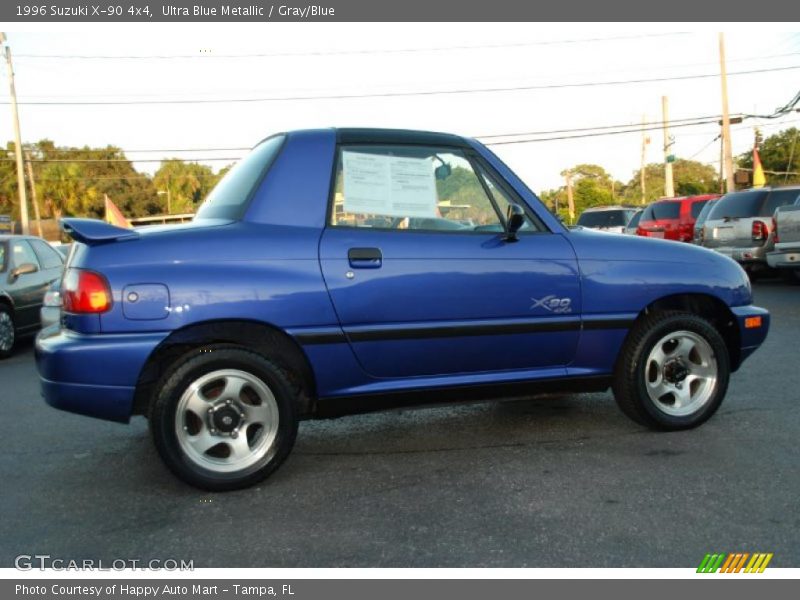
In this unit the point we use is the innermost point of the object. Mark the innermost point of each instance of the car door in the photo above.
(27, 289)
(422, 277)
(50, 259)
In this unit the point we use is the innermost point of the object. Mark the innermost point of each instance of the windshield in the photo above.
(778, 198)
(229, 198)
(634, 222)
(603, 218)
(738, 205)
(662, 210)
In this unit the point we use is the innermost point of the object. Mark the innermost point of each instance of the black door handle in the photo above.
(365, 258)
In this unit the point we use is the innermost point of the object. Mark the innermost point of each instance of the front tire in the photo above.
(8, 332)
(224, 418)
(673, 371)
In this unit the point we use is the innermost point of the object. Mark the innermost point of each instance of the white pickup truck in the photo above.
(786, 227)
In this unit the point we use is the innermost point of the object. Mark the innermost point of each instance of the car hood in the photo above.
(659, 266)
(590, 244)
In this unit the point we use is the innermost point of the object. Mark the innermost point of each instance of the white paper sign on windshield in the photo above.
(391, 186)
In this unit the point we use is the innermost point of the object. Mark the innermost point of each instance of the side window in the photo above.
(697, 208)
(48, 257)
(23, 253)
(410, 187)
(503, 200)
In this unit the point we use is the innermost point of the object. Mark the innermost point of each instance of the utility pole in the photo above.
(23, 199)
(645, 141)
(34, 199)
(727, 152)
(669, 185)
(570, 200)
(168, 194)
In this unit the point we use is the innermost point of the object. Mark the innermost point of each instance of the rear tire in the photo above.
(8, 332)
(673, 371)
(224, 418)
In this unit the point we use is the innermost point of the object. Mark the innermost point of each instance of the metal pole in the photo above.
(570, 201)
(23, 199)
(726, 119)
(34, 199)
(721, 164)
(642, 175)
(669, 185)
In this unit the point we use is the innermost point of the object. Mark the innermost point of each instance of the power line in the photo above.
(162, 94)
(106, 160)
(637, 129)
(625, 125)
(596, 131)
(150, 150)
(352, 52)
(402, 94)
(696, 154)
(704, 120)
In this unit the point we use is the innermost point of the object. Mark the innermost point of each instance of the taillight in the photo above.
(85, 292)
(760, 231)
(775, 230)
(52, 298)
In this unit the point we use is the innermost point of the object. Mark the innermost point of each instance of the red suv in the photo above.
(673, 218)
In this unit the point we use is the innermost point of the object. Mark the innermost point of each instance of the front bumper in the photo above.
(92, 375)
(784, 260)
(751, 336)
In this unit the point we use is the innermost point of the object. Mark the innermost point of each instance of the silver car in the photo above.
(50, 313)
(740, 225)
(633, 224)
(612, 219)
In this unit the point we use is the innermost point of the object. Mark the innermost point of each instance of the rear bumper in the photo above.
(747, 255)
(92, 375)
(751, 337)
(784, 260)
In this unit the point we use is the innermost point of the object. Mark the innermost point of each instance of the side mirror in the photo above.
(443, 171)
(24, 269)
(515, 218)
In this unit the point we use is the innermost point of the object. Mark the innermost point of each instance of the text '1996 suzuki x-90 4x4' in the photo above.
(338, 271)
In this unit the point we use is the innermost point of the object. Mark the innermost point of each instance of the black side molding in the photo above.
(326, 408)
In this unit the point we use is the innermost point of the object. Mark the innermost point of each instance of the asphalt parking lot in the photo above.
(550, 482)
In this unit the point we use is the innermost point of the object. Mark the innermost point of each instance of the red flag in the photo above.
(115, 216)
(759, 180)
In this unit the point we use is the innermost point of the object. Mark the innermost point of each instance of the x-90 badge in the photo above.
(553, 304)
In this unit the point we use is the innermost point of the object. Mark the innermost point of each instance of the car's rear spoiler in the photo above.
(93, 231)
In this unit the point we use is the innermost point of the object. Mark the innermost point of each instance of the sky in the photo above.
(303, 61)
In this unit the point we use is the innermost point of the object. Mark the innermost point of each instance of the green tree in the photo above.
(8, 183)
(689, 177)
(74, 181)
(187, 183)
(779, 152)
(591, 186)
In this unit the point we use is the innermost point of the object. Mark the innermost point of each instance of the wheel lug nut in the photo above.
(234, 434)
(228, 401)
